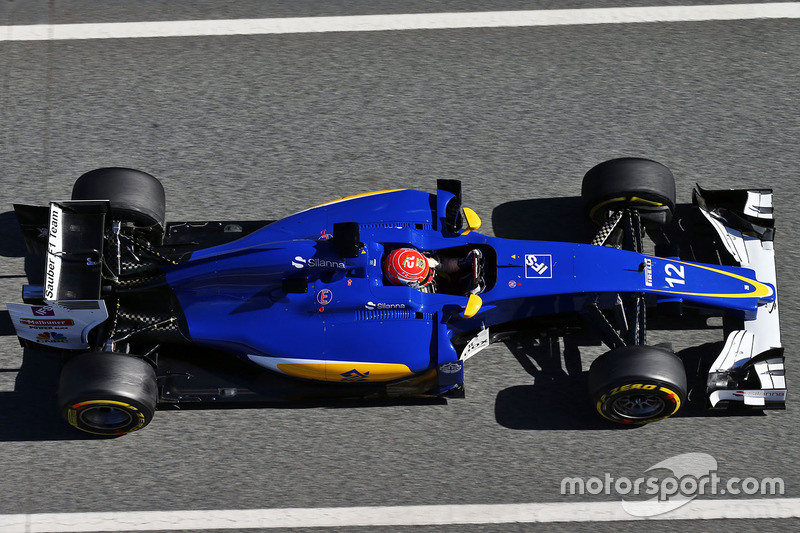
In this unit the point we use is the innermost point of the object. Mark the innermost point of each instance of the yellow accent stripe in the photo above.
(361, 195)
(760, 289)
(376, 371)
(633, 199)
(599, 406)
(314, 371)
(336, 370)
(72, 414)
(105, 402)
(677, 399)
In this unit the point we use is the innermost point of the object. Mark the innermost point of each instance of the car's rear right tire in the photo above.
(107, 393)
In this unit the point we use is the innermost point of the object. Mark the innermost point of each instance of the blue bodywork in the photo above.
(350, 321)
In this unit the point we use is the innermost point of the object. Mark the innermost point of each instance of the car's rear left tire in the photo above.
(107, 393)
(135, 196)
(637, 384)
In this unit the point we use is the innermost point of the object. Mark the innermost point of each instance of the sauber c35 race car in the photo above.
(153, 314)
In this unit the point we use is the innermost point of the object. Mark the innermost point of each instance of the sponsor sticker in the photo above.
(648, 272)
(354, 375)
(300, 262)
(47, 321)
(325, 296)
(51, 336)
(380, 305)
(451, 368)
(43, 310)
(49, 324)
(538, 266)
(769, 394)
(53, 265)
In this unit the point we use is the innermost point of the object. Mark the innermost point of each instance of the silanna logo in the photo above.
(380, 305)
(300, 262)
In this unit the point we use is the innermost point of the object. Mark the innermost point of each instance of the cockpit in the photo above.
(458, 271)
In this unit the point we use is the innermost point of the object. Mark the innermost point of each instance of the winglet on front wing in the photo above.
(750, 368)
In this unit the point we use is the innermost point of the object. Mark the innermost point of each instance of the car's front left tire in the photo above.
(630, 182)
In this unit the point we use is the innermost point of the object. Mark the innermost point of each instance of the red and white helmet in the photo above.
(406, 266)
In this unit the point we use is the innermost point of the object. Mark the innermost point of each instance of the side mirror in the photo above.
(474, 304)
(473, 220)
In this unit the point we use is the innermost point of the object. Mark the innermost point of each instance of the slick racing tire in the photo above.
(107, 393)
(637, 384)
(135, 196)
(645, 185)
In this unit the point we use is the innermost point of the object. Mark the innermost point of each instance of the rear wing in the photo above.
(750, 369)
(74, 256)
(61, 313)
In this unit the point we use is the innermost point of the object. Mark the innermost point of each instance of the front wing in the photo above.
(750, 368)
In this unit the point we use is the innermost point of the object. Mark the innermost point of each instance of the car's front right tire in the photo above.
(637, 384)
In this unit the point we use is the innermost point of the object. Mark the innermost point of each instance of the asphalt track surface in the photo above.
(262, 126)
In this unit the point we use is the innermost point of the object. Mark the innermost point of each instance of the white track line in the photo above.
(423, 21)
(417, 515)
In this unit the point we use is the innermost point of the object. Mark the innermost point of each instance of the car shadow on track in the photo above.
(29, 413)
(13, 245)
(557, 399)
(535, 220)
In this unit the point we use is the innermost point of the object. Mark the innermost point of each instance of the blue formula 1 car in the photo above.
(152, 314)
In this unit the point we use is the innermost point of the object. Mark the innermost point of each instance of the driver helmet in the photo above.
(407, 266)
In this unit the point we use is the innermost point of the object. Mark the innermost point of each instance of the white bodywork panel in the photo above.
(55, 247)
(64, 325)
(763, 333)
(476, 344)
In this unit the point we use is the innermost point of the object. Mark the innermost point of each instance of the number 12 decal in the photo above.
(677, 271)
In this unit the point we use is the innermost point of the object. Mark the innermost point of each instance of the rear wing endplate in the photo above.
(73, 262)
